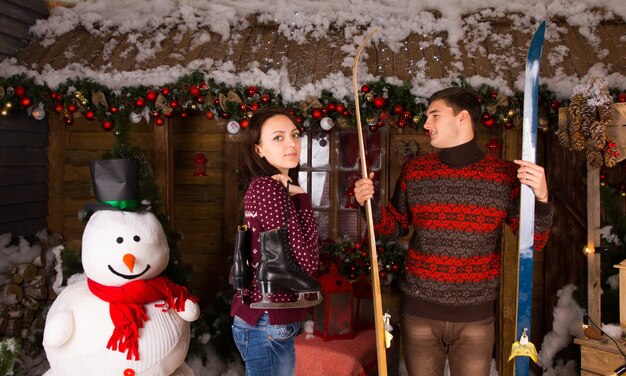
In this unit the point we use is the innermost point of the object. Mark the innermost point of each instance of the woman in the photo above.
(265, 337)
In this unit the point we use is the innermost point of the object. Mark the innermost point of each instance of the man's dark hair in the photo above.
(460, 99)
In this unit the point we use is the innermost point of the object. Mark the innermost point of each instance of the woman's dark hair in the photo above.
(255, 165)
(460, 99)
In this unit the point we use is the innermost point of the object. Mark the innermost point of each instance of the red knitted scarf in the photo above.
(126, 307)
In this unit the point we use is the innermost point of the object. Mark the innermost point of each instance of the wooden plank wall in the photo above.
(23, 175)
(16, 17)
(70, 150)
(199, 203)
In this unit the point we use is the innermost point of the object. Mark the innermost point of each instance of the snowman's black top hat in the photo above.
(116, 185)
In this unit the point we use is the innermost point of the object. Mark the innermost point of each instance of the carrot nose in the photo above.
(129, 261)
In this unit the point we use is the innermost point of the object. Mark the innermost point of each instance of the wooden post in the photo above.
(622, 293)
(593, 239)
(163, 169)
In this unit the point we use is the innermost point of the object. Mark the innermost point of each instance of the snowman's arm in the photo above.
(191, 312)
(59, 328)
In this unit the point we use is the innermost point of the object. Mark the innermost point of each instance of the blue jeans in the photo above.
(267, 350)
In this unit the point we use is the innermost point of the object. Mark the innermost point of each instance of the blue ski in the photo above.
(523, 348)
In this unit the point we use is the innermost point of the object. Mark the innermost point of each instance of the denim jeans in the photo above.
(267, 350)
(467, 345)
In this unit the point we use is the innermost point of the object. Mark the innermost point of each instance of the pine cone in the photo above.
(598, 134)
(563, 136)
(606, 113)
(594, 158)
(577, 140)
(587, 118)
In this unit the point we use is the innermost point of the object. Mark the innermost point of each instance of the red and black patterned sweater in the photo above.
(456, 201)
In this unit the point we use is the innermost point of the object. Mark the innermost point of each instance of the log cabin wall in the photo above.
(23, 175)
(23, 164)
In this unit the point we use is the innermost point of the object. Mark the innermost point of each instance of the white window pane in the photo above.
(321, 150)
(323, 225)
(320, 189)
(304, 142)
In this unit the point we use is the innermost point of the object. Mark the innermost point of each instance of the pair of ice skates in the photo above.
(276, 272)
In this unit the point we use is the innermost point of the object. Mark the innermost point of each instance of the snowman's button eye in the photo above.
(120, 240)
(136, 238)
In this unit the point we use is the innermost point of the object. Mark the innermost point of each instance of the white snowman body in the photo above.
(118, 247)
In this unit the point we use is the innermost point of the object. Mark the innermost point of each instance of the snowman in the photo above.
(125, 319)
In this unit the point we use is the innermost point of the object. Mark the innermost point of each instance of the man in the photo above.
(456, 200)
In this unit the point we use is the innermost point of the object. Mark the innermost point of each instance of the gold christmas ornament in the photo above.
(416, 119)
(369, 97)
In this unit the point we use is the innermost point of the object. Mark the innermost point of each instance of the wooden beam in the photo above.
(163, 167)
(593, 240)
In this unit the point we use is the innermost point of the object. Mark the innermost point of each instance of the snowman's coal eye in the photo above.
(136, 238)
(120, 240)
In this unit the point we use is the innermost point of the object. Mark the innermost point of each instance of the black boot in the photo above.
(278, 270)
(242, 271)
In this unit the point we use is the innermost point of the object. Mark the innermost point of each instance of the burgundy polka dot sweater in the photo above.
(456, 201)
(264, 205)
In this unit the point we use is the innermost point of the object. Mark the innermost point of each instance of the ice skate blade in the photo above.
(302, 302)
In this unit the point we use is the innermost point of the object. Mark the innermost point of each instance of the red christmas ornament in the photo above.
(151, 95)
(365, 89)
(374, 128)
(379, 102)
(265, 98)
(20, 91)
(332, 107)
(401, 123)
(113, 110)
(69, 120)
(494, 94)
(292, 112)
(209, 115)
(489, 123)
(251, 91)
(168, 114)
(383, 115)
(165, 91)
(58, 107)
(159, 121)
(508, 125)
(493, 147)
(621, 98)
(254, 106)
(90, 115)
(407, 115)
(398, 109)
(216, 101)
(140, 102)
(299, 119)
(108, 125)
(26, 102)
(244, 123)
(346, 113)
(243, 107)
(317, 113)
(72, 108)
(480, 99)
(340, 108)
(555, 104)
(184, 115)
(225, 115)
(194, 90)
(174, 104)
(200, 99)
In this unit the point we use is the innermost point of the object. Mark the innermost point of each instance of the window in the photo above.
(329, 166)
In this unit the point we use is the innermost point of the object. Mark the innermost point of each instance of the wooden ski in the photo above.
(523, 349)
(378, 309)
